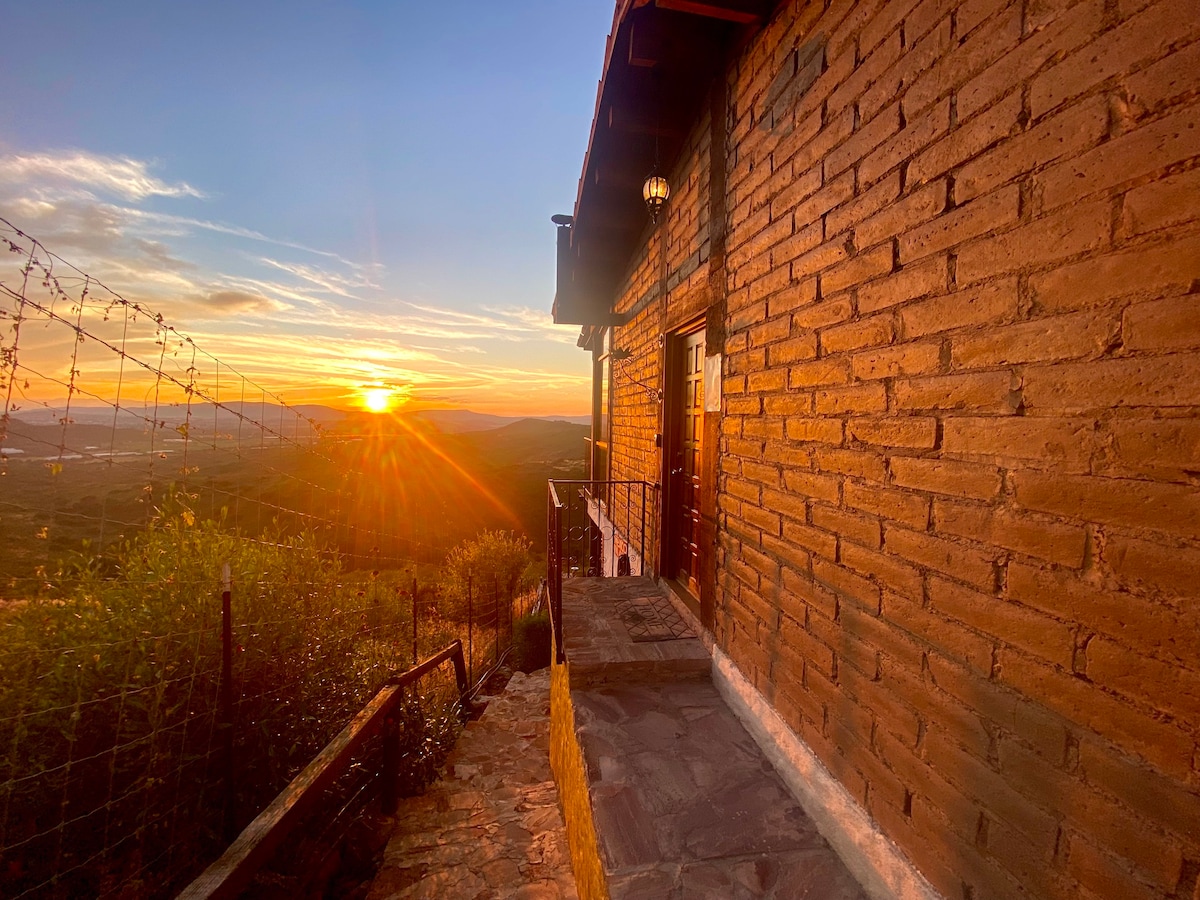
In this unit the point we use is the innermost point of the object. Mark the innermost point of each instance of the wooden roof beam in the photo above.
(743, 12)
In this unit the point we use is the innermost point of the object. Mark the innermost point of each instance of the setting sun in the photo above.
(377, 400)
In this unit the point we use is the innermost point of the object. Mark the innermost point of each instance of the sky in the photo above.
(328, 197)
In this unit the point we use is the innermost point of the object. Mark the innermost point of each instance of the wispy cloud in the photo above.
(129, 179)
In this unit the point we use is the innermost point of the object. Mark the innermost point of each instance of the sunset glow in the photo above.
(377, 400)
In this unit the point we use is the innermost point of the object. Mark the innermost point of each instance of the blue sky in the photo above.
(324, 195)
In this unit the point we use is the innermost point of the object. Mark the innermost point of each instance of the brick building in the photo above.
(913, 355)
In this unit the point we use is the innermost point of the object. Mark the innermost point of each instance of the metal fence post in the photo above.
(470, 632)
(414, 642)
(226, 723)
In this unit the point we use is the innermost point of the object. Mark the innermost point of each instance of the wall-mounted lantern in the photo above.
(655, 192)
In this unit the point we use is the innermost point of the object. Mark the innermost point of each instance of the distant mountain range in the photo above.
(203, 415)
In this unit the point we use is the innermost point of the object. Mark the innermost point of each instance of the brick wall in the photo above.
(959, 489)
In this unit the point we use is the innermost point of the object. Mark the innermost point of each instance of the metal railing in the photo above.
(596, 529)
(233, 872)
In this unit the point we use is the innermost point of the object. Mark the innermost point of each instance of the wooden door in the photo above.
(685, 469)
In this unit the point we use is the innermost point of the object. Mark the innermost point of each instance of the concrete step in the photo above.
(625, 631)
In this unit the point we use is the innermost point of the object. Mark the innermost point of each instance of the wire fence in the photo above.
(199, 585)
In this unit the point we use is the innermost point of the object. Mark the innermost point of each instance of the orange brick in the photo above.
(889, 570)
(979, 779)
(1052, 541)
(792, 351)
(1108, 384)
(1078, 335)
(769, 380)
(916, 358)
(1066, 444)
(1163, 203)
(970, 56)
(806, 237)
(843, 581)
(1081, 21)
(869, 332)
(863, 141)
(1009, 622)
(863, 267)
(1141, 37)
(1160, 448)
(814, 484)
(1106, 820)
(951, 638)
(859, 398)
(1102, 877)
(1163, 686)
(1133, 154)
(892, 81)
(826, 431)
(1150, 273)
(902, 506)
(967, 141)
(863, 529)
(856, 463)
(818, 259)
(1145, 791)
(948, 557)
(1114, 501)
(1077, 128)
(833, 194)
(1146, 624)
(918, 135)
(1001, 706)
(1170, 324)
(1153, 566)
(819, 372)
(908, 283)
(880, 196)
(1070, 232)
(977, 392)
(1164, 81)
(916, 432)
(941, 476)
(789, 404)
(980, 216)
(1161, 744)
(982, 305)
(820, 315)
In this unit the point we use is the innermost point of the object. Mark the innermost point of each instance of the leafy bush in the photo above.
(531, 641)
(480, 573)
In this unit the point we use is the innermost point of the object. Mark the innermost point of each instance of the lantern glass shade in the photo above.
(655, 192)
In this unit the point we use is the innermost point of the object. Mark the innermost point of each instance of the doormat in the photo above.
(652, 619)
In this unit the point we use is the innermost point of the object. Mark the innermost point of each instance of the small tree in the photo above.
(493, 561)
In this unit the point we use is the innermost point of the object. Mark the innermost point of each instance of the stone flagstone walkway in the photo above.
(491, 826)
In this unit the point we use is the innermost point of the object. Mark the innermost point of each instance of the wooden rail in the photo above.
(232, 873)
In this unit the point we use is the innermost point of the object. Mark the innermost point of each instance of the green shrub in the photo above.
(531, 642)
(481, 573)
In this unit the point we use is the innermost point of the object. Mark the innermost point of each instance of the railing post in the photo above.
(470, 631)
(389, 772)
(414, 636)
(460, 676)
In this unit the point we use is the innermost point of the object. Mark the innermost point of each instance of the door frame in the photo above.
(673, 347)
